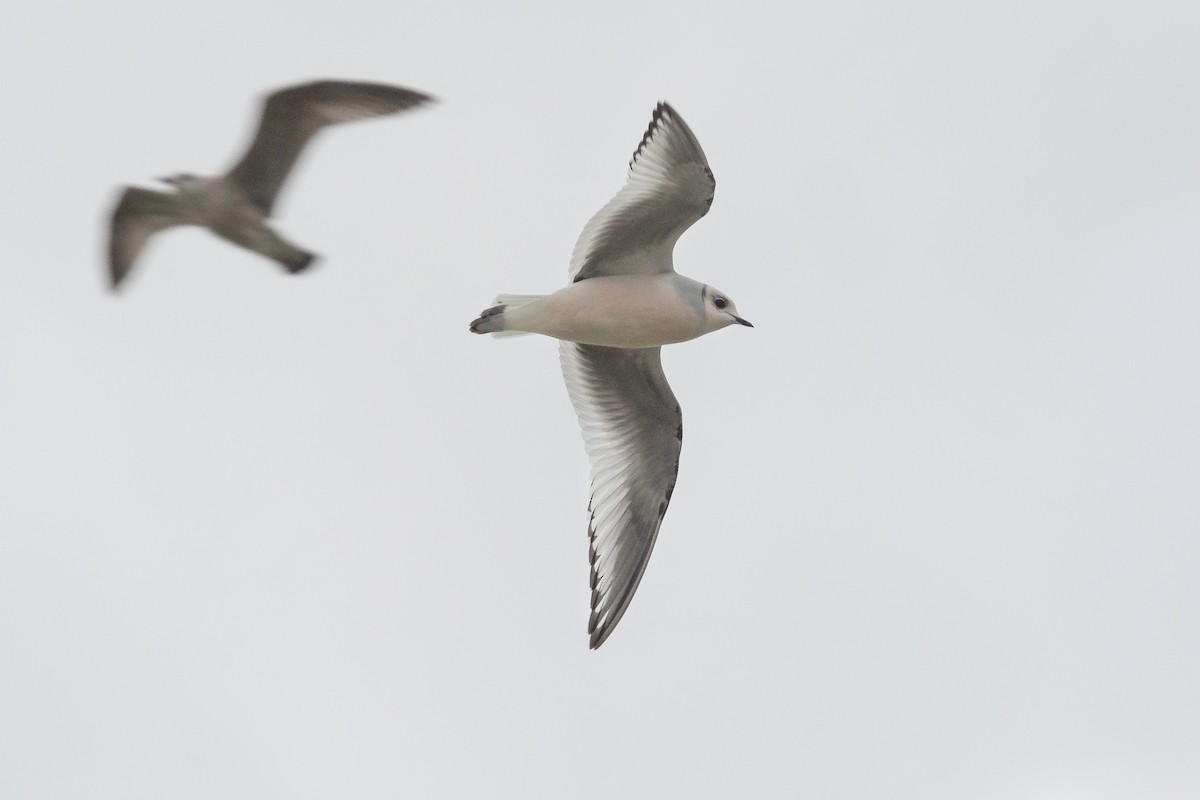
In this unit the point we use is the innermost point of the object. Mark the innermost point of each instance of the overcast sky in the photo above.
(935, 533)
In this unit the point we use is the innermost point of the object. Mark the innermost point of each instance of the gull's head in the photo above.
(719, 310)
(180, 180)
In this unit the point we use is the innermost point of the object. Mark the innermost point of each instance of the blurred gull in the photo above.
(236, 205)
(623, 301)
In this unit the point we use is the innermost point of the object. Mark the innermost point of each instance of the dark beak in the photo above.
(741, 321)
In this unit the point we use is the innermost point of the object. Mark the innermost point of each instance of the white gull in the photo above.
(623, 301)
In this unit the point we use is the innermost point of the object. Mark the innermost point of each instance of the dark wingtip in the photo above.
(600, 635)
(411, 98)
(597, 637)
(115, 278)
(662, 109)
(301, 263)
(414, 98)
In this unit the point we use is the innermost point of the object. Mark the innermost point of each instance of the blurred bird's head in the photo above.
(181, 179)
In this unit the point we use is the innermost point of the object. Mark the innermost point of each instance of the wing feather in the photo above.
(292, 116)
(670, 186)
(633, 432)
(140, 213)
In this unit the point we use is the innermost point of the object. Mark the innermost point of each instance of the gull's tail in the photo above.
(491, 320)
(297, 261)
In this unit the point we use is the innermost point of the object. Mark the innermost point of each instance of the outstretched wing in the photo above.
(633, 432)
(292, 116)
(139, 214)
(670, 187)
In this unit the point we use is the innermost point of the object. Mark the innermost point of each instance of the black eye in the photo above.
(719, 302)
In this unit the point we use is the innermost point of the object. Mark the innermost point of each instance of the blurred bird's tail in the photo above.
(297, 260)
(491, 320)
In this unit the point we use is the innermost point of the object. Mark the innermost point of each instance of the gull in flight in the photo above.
(237, 205)
(622, 302)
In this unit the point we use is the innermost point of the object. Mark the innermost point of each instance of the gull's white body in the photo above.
(618, 311)
(623, 301)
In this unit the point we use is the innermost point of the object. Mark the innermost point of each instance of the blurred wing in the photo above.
(670, 187)
(291, 117)
(139, 214)
(633, 432)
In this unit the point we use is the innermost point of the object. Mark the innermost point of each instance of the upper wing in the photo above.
(633, 432)
(670, 187)
(139, 214)
(291, 117)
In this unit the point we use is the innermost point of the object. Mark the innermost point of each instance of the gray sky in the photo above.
(935, 531)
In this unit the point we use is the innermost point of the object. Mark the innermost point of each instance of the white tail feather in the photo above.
(491, 320)
(513, 301)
